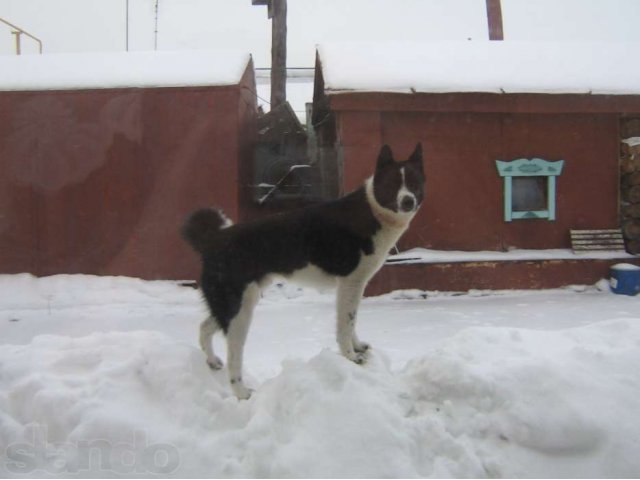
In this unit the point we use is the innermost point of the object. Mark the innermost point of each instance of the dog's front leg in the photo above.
(348, 299)
(358, 346)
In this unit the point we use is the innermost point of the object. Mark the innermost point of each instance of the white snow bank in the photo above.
(499, 402)
(424, 255)
(122, 70)
(625, 267)
(632, 141)
(524, 384)
(25, 291)
(482, 66)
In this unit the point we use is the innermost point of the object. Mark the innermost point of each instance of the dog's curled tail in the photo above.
(203, 226)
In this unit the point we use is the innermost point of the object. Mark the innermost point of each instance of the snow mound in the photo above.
(497, 402)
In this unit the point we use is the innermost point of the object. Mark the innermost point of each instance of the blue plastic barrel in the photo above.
(625, 279)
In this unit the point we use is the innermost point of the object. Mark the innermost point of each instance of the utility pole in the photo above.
(277, 11)
(126, 21)
(494, 18)
(155, 28)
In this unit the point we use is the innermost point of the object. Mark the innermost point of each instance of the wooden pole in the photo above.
(278, 53)
(494, 18)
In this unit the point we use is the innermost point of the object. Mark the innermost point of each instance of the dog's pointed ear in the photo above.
(385, 157)
(416, 157)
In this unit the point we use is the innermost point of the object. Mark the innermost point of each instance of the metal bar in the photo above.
(19, 31)
(279, 183)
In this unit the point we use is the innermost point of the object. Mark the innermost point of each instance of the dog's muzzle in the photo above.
(408, 203)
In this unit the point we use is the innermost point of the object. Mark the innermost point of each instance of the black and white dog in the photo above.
(340, 243)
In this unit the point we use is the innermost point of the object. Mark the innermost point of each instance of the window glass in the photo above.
(529, 193)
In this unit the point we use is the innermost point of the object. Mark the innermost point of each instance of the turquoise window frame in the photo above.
(534, 167)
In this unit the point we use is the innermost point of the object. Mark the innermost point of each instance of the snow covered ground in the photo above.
(101, 376)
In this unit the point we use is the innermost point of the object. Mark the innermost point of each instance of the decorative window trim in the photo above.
(534, 167)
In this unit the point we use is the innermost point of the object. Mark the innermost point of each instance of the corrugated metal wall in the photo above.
(100, 181)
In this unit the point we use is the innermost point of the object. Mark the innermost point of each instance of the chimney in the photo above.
(494, 18)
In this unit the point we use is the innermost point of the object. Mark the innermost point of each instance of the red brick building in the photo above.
(472, 104)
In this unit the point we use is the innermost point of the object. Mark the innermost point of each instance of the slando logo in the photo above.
(96, 455)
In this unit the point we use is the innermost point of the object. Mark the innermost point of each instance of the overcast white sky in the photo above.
(99, 25)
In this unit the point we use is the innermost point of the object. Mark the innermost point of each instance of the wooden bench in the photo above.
(585, 241)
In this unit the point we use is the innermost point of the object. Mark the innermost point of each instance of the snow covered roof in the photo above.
(122, 70)
(482, 66)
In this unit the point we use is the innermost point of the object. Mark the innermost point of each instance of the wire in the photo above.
(256, 94)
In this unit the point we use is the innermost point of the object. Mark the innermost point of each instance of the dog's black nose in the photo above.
(408, 203)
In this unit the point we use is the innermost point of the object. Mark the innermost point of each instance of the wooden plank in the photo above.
(591, 248)
(595, 232)
(597, 240)
(610, 238)
(597, 237)
(601, 246)
(587, 244)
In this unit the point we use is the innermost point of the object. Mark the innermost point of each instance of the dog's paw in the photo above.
(215, 363)
(362, 357)
(361, 347)
(241, 392)
(359, 358)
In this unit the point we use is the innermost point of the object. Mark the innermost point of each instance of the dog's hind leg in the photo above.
(348, 299)
(236, 337)
(207, 329)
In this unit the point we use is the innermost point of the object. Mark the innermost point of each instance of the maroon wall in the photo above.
(464, 203)
(100, 181)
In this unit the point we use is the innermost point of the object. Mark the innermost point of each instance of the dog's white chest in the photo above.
(383, 241)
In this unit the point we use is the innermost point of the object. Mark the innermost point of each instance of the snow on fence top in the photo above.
(482, 66)
(122, 70)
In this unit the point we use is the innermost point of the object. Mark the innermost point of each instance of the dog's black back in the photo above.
(331, 236)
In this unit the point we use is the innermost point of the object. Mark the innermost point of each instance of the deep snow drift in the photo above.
(102, 377)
